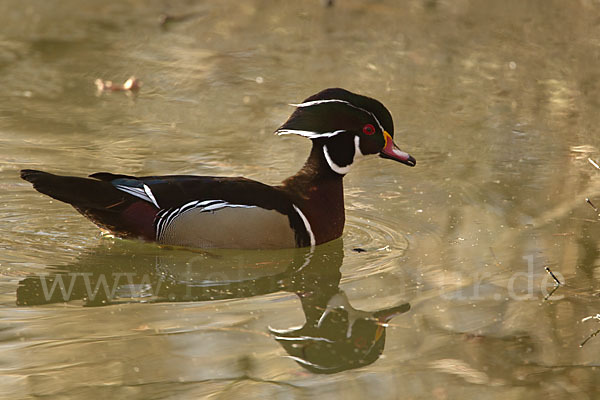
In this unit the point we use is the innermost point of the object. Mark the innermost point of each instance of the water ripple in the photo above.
(380, 242)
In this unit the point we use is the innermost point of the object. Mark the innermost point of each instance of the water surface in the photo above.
(496, 100)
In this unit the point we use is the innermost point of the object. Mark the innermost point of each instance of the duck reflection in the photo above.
(335, 336)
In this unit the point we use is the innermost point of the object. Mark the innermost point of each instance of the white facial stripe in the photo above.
(308, 134)
(307, 226)
(316, 102)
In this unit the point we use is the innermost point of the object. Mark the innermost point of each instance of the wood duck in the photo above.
(306, 209)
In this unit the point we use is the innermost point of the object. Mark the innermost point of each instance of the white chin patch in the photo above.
(357, 151)
(345, 169)
(333, 165)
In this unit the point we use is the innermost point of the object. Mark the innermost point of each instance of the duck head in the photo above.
(346, 125)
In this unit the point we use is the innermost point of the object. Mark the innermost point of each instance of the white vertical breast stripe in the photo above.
(307, 226)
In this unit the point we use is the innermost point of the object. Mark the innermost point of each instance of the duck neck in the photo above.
(319, 193)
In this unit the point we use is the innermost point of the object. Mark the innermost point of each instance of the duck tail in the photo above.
(98, 200)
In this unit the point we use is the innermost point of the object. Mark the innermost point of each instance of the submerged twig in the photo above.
(556, 286)
(165, 19)
(591, 204)
(494, 255)
(554, 289)
(589, 337)
(594, 163)
(552, 275)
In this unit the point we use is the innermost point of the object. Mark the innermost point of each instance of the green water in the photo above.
(496, 100)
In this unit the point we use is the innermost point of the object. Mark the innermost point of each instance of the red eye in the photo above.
(369, 129)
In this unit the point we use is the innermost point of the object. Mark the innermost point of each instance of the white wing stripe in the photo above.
(143, 193)
(150, 195)
(137, 192)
